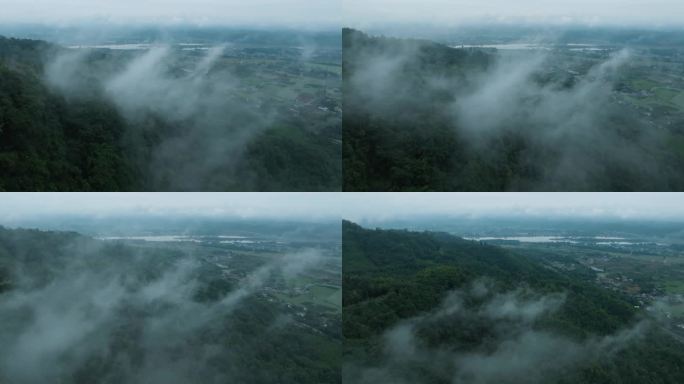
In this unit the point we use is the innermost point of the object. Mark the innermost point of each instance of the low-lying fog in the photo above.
(84, 311)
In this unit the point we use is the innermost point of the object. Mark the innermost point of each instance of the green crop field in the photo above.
(674, 286)
(325, 296)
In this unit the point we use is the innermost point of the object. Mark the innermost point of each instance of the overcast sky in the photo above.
(352, 206)
(355, 13)
(196, 12)
(369, 13)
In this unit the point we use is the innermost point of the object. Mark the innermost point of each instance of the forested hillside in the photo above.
(423, 116)
(396, 134)
(78, 310)
(62, 130)
(49, 144)
(433, 308)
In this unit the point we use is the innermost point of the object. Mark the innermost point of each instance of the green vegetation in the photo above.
(645, 272)
(161, 309)
(286, 159)
(394, 277)
(423, 116)
(674, 287)
(76, 136)
(309, 290)
(49, 144)
(329, 297)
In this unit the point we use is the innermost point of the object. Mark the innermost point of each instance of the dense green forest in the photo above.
(395, 280)
(48, 144)
(80, 140)
(399, 142)
(423, 116)
(78, 310)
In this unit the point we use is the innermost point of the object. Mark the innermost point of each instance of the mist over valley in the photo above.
(512, 304)
(165, 297)
(188, 109)
(502, 108)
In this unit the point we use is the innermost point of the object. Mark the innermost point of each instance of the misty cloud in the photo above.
(517, 351)
(508, 92)
(204, 125)
(380, 75)
(65, 71)
(146, 83)
(515, 306)
(126, 319)
(576, 122)
(553, 122)
(536, 357)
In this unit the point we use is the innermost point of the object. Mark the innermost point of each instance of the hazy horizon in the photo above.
(445, 13)
(361, 207)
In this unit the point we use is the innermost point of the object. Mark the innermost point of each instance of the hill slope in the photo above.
(422, 116)
(433, 308)
(74, 136)
(77, 310)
